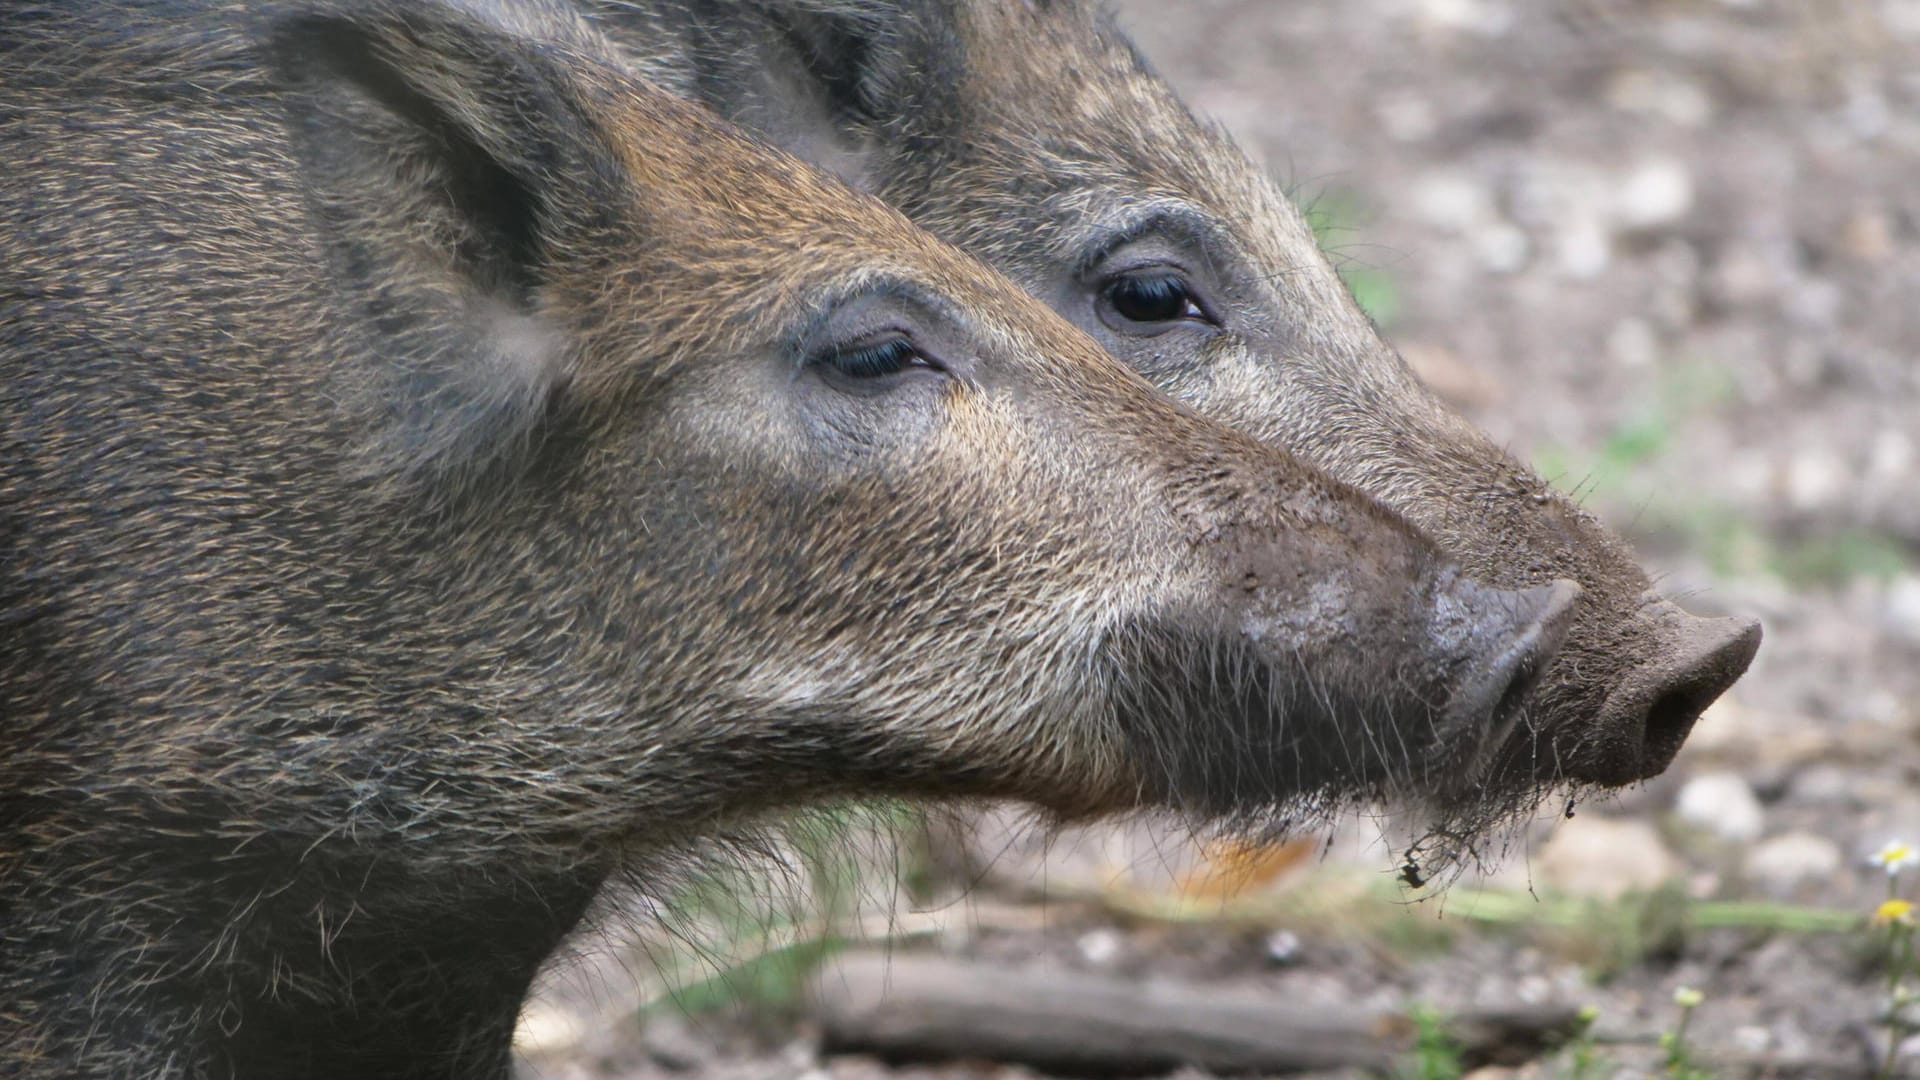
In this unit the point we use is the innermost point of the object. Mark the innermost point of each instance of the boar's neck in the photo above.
(278, 980)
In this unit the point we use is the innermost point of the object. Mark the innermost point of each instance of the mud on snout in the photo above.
(1338, 658)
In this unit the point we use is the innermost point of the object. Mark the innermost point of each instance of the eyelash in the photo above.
(876, 360)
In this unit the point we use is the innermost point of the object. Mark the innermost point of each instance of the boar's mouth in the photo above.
(1220, 731)
(1601, 731)
(1226, 730)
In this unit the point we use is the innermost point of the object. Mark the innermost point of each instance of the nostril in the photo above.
(1711, 657)
(1721, 657)
(1670, 720)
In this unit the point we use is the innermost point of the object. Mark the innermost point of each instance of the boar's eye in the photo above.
(1150, 302)
(873, 360)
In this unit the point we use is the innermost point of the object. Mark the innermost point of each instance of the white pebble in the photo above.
(1283, 946)
(1632, 343)
(1406, 117)
(1901, 607)
(1723, 804)
(1657, 194)
(1585, 250)
(1100, 947)
(1503, 247)
(1781, 864)
(1815, 478)
(1595, 856)
(1449, 200)
(1892, 456)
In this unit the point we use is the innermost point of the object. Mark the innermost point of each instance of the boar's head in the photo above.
(1035, 136)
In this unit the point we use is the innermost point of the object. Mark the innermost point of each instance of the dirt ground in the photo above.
(1670, 251)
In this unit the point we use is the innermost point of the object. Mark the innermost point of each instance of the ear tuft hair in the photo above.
(449, 152)
(831, 81)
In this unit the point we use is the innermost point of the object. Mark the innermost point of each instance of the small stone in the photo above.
(1781, 864)
(1657, 194)
(672, 1042)
(1866, 115)
(1814, 479)
(1722, 804)
(1632, 343)
(1749, 479)
(1678, 100)
(803, 1057)
(1584, 250)
(1100, 947)
(1814, 303)
(1868, 236)
(1887, 709)
(1283, 946)
(1503, 247)
(1901, 607)
(1594, 856)
(1892, 456)
(1406, 118)
(1825, 785)
(1486, 18)
(1533, 989)
(1743, 276)
(1449, 200)
(1901, 19)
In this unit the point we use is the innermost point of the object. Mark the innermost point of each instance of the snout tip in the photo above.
(1647, 719)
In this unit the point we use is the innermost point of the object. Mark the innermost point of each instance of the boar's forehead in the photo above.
(734, 221)
(1057, 135)
(1035, 155)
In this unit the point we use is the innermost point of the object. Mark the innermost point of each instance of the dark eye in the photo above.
(889, 356)
(1150, 298)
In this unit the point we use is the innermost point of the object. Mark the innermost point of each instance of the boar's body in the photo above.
(1034, 135)
(437, 469)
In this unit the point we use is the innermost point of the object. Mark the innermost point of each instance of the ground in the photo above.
(1667, 250)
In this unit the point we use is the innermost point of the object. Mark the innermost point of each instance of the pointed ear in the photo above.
(449, 157)
(830, 81)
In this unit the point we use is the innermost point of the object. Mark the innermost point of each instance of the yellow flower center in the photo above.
(1895, 854)
(1893, 911)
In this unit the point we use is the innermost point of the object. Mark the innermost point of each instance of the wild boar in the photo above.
(1033, 134)
(440, 470)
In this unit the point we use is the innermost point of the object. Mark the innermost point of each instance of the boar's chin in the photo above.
(1224, 731)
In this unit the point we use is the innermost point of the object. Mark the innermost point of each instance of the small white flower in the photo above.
(1896, 856)
(1687, 997)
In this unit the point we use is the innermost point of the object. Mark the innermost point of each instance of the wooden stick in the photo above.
(917, 1006)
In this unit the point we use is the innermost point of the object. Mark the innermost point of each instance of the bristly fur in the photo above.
(430, 484)
(1036, 137)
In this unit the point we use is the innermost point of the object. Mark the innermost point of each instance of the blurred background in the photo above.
(1669, 251)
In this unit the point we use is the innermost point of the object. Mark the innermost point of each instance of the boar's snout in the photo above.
(1649, 715)
(1512, 635)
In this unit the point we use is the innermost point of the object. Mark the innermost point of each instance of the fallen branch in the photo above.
(911, 1006)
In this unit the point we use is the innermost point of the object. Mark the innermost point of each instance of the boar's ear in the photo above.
(834, 82)
(449, 156)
